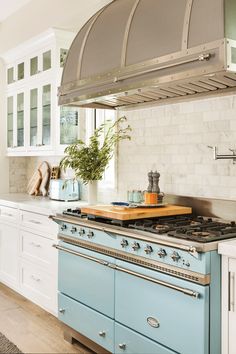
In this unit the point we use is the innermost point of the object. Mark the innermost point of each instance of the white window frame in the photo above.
(105, 183)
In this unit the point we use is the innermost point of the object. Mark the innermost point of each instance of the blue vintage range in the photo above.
(145, 286)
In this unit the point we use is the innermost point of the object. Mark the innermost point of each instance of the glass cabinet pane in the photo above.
(46, 114)
(20, 119)
(10, 76)
(47, 60)
(10, 122)
(21, 71)
(33, 117)
(33, 66)
(68, 125)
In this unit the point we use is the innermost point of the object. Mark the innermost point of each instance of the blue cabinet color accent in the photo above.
(183, 320)
(89, 282)
(130, 342)
(90, 323)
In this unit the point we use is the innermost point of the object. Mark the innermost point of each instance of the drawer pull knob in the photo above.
(62, 311)
(102, 333)
(35, 278)
(37, 245)
(6, 214)
(35, 222)
(122, 346)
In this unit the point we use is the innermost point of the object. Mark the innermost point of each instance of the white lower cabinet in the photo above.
(9, 263)
(228, 251)
(28, 262)
(38, 285)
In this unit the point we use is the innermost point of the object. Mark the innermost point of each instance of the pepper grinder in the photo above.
(150, 182)
(155, 186)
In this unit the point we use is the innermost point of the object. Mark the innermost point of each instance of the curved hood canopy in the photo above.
(136, 51)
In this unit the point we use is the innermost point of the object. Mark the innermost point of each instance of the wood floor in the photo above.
(29, 327)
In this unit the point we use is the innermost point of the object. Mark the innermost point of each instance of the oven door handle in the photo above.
(90, 258)
(185, 291)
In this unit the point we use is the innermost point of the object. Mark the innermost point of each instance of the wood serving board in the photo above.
(108, 211)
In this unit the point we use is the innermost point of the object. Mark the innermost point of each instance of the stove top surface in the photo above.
(187, 227)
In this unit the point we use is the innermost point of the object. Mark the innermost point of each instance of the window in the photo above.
(94, 118)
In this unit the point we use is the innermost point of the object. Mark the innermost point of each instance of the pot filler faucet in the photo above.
(223, 157)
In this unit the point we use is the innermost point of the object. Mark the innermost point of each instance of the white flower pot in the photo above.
(92, 192)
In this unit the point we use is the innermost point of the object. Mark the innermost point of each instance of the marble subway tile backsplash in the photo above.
(174, 139)
(17, 174)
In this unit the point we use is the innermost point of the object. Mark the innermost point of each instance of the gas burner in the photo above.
(200, 233)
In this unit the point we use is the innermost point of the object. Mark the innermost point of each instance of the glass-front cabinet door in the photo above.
(34, 117)
(20, 119)
(46, 115)
(69, 122)
(10, 122)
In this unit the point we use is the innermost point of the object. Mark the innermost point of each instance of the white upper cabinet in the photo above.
(35, 122)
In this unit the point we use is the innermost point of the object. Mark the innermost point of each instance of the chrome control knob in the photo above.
(122, 346)
(135, 246)
(102, 333)
(124, 243)
(62, 311)
(81, 232)
(175, 256)
(73, 229)
(63, 227)
(90, 234)
(148, 249)
(161, 253)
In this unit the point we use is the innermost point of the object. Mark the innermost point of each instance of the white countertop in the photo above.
(41, 205)
(227, 248)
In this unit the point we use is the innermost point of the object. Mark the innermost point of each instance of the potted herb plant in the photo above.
(90, 161)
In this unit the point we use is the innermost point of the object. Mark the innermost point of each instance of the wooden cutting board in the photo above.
(108, 211)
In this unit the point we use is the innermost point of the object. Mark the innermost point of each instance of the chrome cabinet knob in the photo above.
(62, 311)
(161, 253)
(81, 232)
(124, 243)
(148, 249)
(122, 346)
(102, 333)
(63, 227)
(135, 246)
(73, 229)
(175, 256)
(90, 234)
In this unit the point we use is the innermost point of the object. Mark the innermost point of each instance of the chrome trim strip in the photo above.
(185, 291)
(127, 30)
(185, 274)
(64, 249)
(187, 17)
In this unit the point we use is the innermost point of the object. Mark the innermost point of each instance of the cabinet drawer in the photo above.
(130, 342)
(86, 321)
(39, 222)
(38, 286)
(85, 280)
(9, 214)
(38, 249)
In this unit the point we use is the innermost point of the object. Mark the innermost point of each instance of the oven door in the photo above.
(85, 277)
(171, 311)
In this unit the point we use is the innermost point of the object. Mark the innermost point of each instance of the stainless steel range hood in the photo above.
(136, 51)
